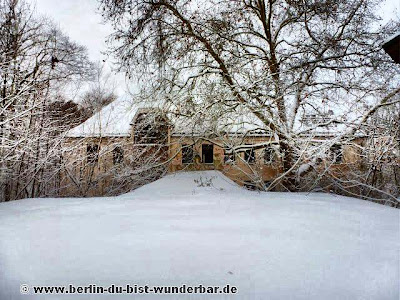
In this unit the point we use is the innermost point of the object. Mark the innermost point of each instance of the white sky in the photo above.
(81, 21)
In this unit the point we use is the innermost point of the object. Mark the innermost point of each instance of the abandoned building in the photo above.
(123, 138)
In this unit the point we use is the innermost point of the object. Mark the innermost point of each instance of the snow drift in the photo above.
(200, 228)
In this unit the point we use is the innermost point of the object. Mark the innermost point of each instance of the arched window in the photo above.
(250, 156)
(187, 154)
(118, 155)
(92, 153)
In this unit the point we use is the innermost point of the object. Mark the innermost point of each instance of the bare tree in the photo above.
(279, 61)
(100, 160)
(101, 91)
(36, 60)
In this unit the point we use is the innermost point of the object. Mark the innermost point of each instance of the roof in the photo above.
(242, 121)
(212, 123)
(116, 119)
(112, 120)
(392, 46)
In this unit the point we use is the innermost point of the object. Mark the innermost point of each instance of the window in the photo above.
(229, 157)
(250, 156)
(268, 155)
(187, 154)
(207, 152)
(337, 153)
(92, 153)
(118, 155)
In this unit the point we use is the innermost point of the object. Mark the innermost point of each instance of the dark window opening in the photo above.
(268, 155)
(229, 157)
(207, 152)
(337, 153)
(118, 155)
(250, 156)
(187, 154)
(92, 152)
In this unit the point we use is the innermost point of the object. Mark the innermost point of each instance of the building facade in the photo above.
(124, 146)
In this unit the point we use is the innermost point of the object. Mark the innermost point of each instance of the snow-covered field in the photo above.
(173, 232)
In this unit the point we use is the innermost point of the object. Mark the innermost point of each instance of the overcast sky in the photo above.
(81, 21)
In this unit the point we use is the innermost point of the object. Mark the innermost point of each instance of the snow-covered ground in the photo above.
(173, 232)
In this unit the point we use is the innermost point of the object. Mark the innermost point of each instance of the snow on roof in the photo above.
(116, 119)
(390, 38)
(244, 122)
(233, 123)
(113, 120)
(315, 129)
